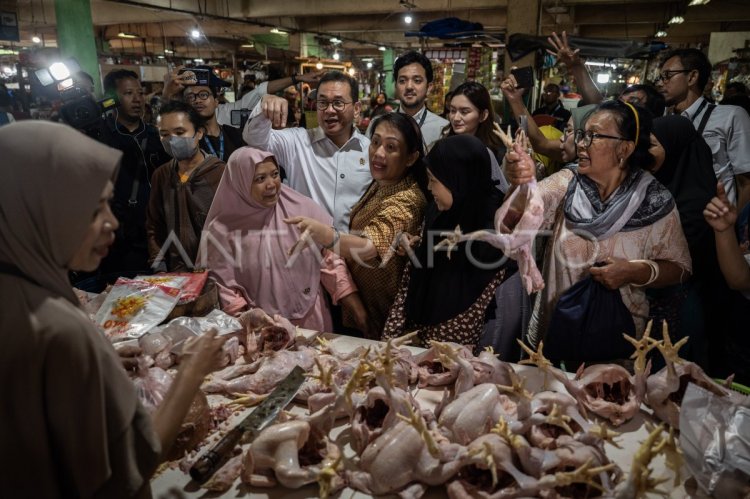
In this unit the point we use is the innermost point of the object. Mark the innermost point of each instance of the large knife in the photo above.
(252, 425)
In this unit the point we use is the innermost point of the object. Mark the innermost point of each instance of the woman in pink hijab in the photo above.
(246, 245)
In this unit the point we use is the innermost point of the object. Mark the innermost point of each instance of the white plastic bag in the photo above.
(715, 441)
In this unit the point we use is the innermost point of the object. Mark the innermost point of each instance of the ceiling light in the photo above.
(277, 31)
(407, 18)
(36, 39)
(335, 40)
(698, 2)
(352, 71)
(381, 48)
(122, 34)
(195, 33)
(596, 63)
(167, 51)
(676, 20)
(160, 57)
(319, 66)
(336, 56)
(660, 34)
(247, 45)
(602, 78)
(199, 61)
(369, 65)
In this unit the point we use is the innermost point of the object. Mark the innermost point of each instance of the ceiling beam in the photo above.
(490, 19)
(265, 8)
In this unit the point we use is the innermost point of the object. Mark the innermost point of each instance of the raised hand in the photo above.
(275, 109)
(720, 213)
(510, 89)
(175, 83)
(562, 51)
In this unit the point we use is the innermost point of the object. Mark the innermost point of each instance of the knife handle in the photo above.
(215, 458)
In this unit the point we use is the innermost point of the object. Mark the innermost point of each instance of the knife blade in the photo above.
(252, 425)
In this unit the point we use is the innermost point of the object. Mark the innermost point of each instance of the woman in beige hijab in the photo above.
(71, 423)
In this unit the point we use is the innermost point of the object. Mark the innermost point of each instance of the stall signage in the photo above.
(9, 26)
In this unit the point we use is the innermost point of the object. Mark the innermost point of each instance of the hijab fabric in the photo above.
(449, 286)
(51, 180)
(688, 173)
(257, 239)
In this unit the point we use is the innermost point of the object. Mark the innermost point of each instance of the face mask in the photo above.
(180, 148)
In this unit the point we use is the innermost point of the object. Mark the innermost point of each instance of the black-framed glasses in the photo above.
(665, 76)
(338, 105)
(202, 95)
(585, 138)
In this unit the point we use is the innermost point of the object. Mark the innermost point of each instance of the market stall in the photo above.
(173, 482)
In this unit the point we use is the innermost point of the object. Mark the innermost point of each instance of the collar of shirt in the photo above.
(416, 115)
(318, 135)
(689, 112)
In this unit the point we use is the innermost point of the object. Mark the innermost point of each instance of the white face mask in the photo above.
(180, 148)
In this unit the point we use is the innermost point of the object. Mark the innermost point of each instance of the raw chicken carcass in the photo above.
(489, 369)
(405, 459)
(514, 232)
(608, 390)
(665, 389)
(288, 453)
(378, 412)
(269, 372)
(489, 471)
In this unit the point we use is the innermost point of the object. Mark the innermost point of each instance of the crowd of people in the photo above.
(650, 208)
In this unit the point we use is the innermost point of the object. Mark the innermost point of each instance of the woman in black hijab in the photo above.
(684, 165)
(445, 295)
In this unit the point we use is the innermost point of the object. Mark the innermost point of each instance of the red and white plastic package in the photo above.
(190, 283)
(133, 307)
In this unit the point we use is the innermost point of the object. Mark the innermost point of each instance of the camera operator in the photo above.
(142, 154)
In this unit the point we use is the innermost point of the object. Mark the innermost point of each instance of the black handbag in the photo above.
(588, 325)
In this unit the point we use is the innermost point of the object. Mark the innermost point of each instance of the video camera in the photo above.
(80, 110)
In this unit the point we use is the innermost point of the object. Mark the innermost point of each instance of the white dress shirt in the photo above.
(248, 101)
(430, 124)
(333, 177)
(727, 133)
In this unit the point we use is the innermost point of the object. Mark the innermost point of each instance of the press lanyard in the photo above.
(424, 117)
(700, 108)
(221, 145)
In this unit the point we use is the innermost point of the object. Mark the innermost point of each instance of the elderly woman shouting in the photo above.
(609, 218)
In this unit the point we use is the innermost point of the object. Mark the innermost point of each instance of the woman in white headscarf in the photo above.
(73, 426)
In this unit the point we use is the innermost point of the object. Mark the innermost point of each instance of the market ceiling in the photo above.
(226, 25)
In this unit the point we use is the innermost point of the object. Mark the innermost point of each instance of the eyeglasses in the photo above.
(203, 95)
(665, 76)
(586, 137)
(338, 105)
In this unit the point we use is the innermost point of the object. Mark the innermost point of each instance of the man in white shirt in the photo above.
(329, 163)
(726, 129)
(412, 73)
